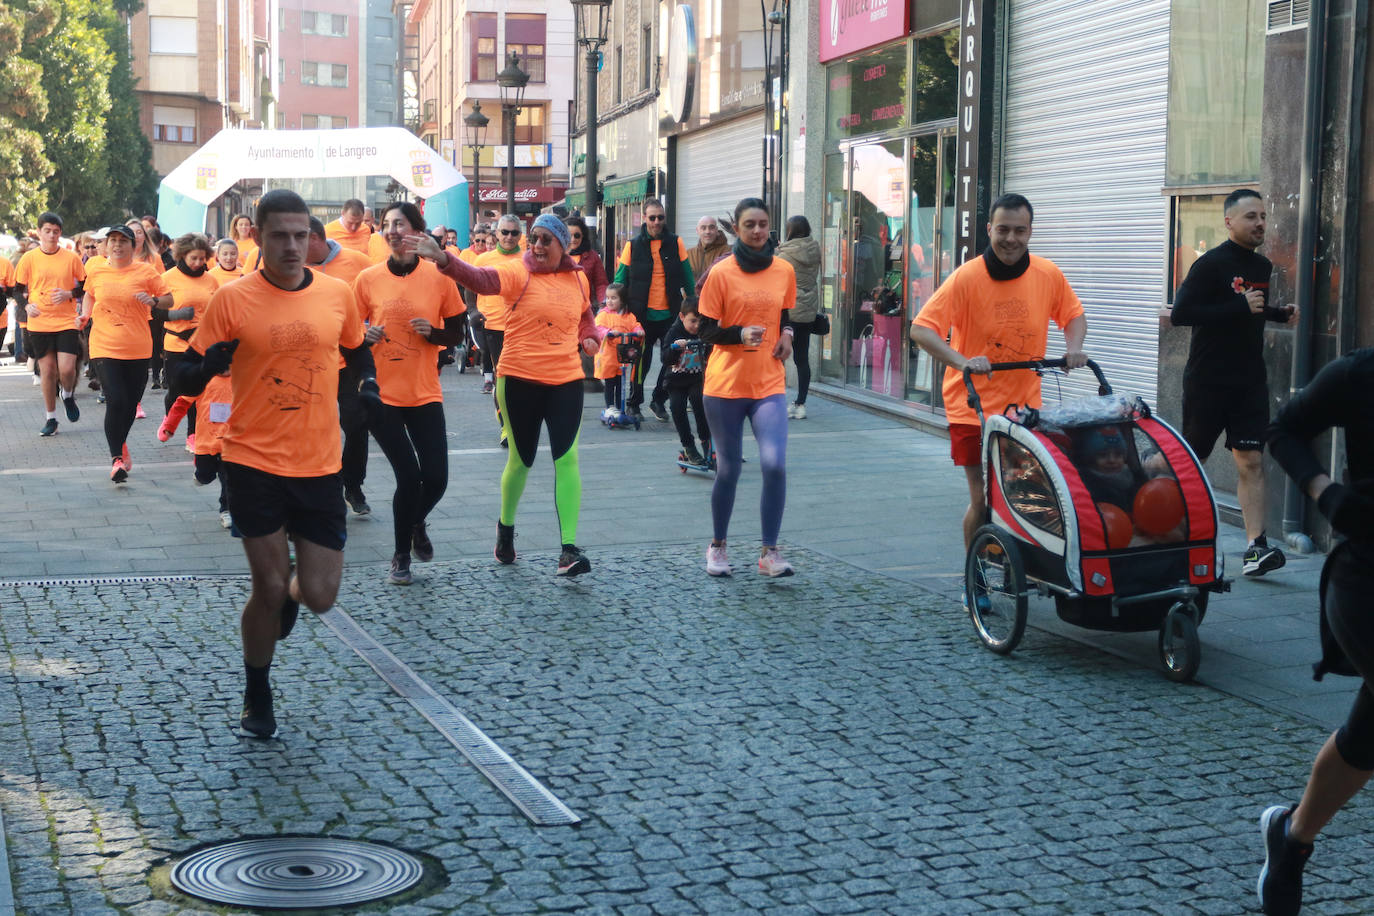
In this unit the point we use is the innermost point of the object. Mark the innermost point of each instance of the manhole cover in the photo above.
(295, 873)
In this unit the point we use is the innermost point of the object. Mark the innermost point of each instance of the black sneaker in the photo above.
(692, 456)
(657, 410)
(488, 386)
(505, 543)
(400, 570)
(1261, 557)
(573, 562)
(49, 428)
(357, 502)
(257, 720)
(1280, 880)
(73, 412)
(421, 544)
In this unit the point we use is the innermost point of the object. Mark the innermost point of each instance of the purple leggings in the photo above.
(768, 417)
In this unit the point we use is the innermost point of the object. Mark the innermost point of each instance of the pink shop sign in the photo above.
(848, 26)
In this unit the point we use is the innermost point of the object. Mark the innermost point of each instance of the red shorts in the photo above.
(966, 444)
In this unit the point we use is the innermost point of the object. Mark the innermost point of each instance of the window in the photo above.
(1197, 226)
(314, 73)
(646, 57)
(323, 122)
(171, 35)
(382, 27)
(383, 73)
(482, 28)
(174, 125)
(529, 126)
(333, 24)
(525, 36)
(619, 74)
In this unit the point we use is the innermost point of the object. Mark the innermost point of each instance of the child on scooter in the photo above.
(684, 355)
(614, 316)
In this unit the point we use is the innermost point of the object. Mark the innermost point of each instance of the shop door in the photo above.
(874, 304)
(929, 249)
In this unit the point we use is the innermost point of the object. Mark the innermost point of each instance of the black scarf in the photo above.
(401, 270)
(197, 272)
(751, 260)
(999, 271)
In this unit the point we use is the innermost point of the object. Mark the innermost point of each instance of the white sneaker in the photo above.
(791, 411)
(772, 564)
(610, 413)
(798, 412)
(225, 520)
(717, 564)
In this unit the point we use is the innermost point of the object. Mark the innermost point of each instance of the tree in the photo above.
(133, 183)
(24, 164)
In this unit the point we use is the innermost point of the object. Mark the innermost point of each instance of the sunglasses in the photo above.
(510, 231)
(89, 247)
(655, 219)
(542, 238)
(575, 235)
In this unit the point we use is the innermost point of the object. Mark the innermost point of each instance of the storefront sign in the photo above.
(971, 177)
(852, 25)
(524, 194)
(868, 93)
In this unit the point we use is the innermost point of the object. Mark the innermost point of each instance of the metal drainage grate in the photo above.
(296, 873)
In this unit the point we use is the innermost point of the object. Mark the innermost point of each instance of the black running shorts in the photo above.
(41, 343)
(1241, 411)
(307, 507)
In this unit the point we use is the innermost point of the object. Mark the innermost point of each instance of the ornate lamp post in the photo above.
(593, 21)
(477, 138)
(512, 81)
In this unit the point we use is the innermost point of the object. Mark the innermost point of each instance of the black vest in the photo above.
(642, 273)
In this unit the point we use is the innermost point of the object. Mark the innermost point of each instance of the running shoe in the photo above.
(124, 453)
(226, 521)
(421, 544)
(100, 396)
(505, 543)
(488, 386)
(357, 502)
(1280, 880)
(400, 570)
(798, 412)
(573, 562)
(791, 411)
(504, 443)
(717, 563)
(138, 412)
(610, 415)
(257, 720)
(73, 412)
(1261, 557)
(772, 565)
(119, 471)
(191, 443)
(49, 428)
(692, 456)
(657, 410)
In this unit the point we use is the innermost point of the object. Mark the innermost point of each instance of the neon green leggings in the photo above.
(525, 406)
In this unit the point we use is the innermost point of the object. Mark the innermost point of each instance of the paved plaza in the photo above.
(836, 742)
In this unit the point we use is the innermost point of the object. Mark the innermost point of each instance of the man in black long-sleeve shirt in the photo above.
(1225, 385)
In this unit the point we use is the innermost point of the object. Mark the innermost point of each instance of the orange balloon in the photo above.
(1158, 506)
(1119, 527)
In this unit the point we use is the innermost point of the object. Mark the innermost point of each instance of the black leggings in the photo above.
(801, 357)
(1348, 589)
(678, 399)
(491, 349)
(654, 332)
(174, 390)
(414, 441)
(123, 382)
(353, 422)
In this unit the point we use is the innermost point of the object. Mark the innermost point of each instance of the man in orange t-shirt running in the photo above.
(353, 229)
(49, 284)
(996, 308)
(279, 332)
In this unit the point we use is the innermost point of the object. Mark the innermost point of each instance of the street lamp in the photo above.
(593, 21)
(512, 81)
(477, 138)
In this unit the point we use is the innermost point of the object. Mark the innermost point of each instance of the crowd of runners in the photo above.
(285, 345)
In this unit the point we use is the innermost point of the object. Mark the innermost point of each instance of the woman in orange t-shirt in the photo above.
(225, 267)
(744, 306)
(192, 285)
(241, 232)
(539, 376)
(413, 312)
(119, 301)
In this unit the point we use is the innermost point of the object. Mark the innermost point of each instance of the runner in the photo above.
(213, 407)
(493, 308)
(241, 232)
(226, 267)
(6, 285)
(118, 302)
(279, 331)
(744, 305)
(539, 377)
(191, 285)
(353, 230)
(48, 289)
(412, 311)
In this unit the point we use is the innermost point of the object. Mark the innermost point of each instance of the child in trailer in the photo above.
(614, 316)
(684, 355)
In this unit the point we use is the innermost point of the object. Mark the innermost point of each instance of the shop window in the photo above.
(1216, 90)
(482, 29)
(331, 24)
(525, 36)
(937, 76)
(529, 126)
(867, 94)
(1197, 227)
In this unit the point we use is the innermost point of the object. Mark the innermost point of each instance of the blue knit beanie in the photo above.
(556, 228)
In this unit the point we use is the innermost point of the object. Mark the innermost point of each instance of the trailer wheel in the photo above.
(1179, 648)
(995, 588)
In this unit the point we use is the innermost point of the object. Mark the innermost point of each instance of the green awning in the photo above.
(625, 190)
(575, 200)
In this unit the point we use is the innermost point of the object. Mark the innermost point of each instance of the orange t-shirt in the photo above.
(468, 256)
(363, 240)
(247, 248)
(42, 274)
(607, 362)
(1004, 320)
(192, 291)
(223, 276)
(658, 296)
(541, 342)
(493, 308)
(285, 415)
(6, 272)
(345, 266)
(734, 297)
(119, 322)
(213, 406)
(407, 364)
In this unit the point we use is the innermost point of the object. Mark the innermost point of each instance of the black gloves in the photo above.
(1349, 511)
(218, 357)
(370, 396)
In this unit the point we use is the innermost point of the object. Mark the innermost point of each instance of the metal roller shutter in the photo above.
(716, 169)
(1083, 138)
